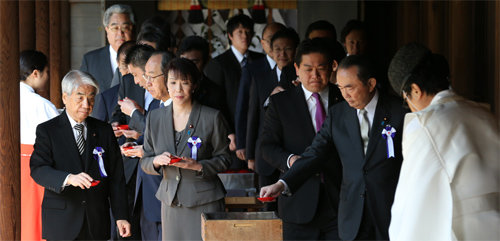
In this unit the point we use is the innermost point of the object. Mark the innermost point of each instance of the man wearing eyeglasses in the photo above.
(101, 63)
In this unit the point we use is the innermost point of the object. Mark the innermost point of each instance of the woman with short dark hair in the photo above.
(187, 143)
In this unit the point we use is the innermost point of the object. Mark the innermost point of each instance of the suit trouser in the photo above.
(367, 228)
(323, 226)
(150, 230)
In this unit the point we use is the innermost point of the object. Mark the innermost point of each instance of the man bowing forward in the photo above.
(77, 160)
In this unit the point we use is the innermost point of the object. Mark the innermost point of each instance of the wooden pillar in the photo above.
(462, 48)
(42, 36)
(10, 188)
(408, 22)
(26, 25)
(65, 39)
(55, 52)
(496, 76)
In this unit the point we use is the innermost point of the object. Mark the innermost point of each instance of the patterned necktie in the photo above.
(320, 111)
(364, 128)
(243, 62)
(80, 142)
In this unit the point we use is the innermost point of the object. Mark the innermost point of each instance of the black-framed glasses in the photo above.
(151, 78)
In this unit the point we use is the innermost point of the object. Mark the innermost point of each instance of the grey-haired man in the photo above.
(77, 160)
(101, 63)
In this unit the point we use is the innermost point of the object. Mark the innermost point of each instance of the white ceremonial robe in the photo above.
(448, 187)
(34, 110)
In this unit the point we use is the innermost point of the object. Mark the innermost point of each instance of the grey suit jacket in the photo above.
(191, 188)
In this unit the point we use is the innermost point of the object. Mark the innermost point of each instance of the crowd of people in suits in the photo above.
(149, 124)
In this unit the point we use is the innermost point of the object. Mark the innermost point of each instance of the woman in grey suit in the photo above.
(196, 134)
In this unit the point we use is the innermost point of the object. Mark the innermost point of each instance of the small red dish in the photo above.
(266, 199)
(123, 127)
(174, 159)
(94, 183)
(128, 147)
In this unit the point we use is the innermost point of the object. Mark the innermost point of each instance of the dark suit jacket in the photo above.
(259, 67)
(55, 156)
(129, 89)
(288, 129)
(105, 103)
(287, 76)
(369, 180)
(225, 70)
(147, 185)
(210, 94)
(97, 63)
(190, 188)
(263, 80)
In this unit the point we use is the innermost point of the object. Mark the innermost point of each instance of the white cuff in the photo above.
(132, 113)
(288, 160)
(65, 183)
(287, 190)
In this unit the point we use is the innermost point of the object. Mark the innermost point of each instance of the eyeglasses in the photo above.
(150, 78)
(123, 28)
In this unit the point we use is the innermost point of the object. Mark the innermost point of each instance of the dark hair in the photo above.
(287, 33)
(431, 74)
(158, 24)
(237, 20)
(194, 43)
(185, 69)
(273, 24)
(161, 40)
(351, 25)
(29, 61)
(138, 55)
(338, 51)
(166, 57)
(124, 48)
(365, 66)
(316, 45)
(321, 25)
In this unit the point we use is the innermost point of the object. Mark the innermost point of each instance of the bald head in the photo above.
(267, 34)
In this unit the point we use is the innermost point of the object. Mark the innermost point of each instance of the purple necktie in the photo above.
(320, 111)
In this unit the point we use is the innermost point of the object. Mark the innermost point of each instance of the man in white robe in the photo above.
(34, 110)
(448, 187)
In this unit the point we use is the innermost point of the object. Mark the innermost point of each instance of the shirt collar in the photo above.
(308, 94)
(440, 95)
(26, 86)
(271, 62)
(238, 55)
(372, 105)
(167, 102)
(73, 122)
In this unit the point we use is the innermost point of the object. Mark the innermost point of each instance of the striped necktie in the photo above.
(80, 142)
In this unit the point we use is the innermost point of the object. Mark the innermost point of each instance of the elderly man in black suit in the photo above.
(225, 69)
(291, 122)
(77, 160)
(101, 63)
(371, 157)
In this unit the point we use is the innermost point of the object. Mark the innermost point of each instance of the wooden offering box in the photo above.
(241, 226)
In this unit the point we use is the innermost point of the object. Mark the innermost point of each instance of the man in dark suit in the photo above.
(354, 132)
(76, 159)
(289, 127)
(283, 45)
(101, 63)
(196, 49)
(244, 89)
(225, 69)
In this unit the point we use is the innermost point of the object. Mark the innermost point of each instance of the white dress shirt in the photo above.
(167, 102)
(311, 106)
(34, 110)
(238, 55)
(112, 59)
(370, 109)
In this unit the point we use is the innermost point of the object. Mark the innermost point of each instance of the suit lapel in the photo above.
(376, 128)
(169, 127)
(90, 142)
(300, 102)
(107, 66)
(352, 124)
(192, 122)
(69, 141)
